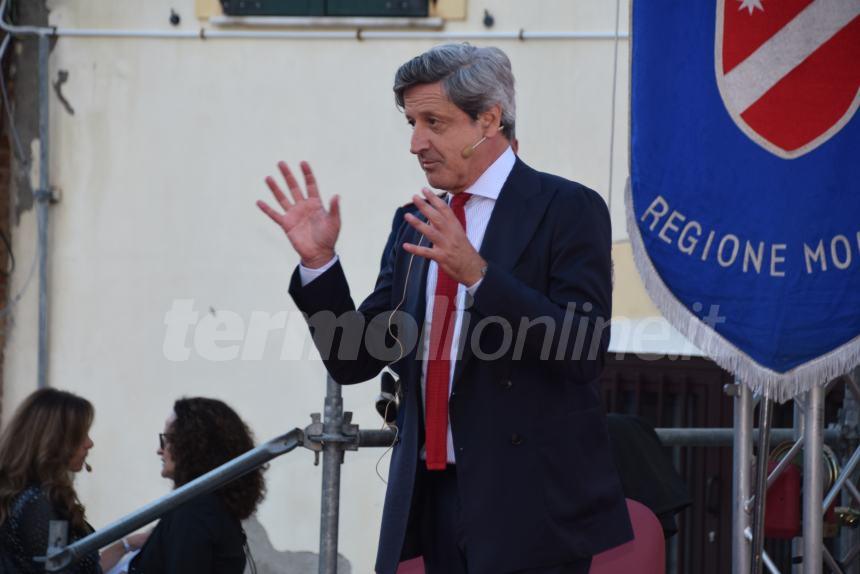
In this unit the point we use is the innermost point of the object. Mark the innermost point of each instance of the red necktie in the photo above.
(439, 359)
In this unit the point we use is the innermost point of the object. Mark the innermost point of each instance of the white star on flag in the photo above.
(751, 5)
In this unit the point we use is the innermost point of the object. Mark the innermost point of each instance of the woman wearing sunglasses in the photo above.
(205, 534)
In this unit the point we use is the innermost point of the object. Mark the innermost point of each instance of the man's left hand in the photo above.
(451, 248)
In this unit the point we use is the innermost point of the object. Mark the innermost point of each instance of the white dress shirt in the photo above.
(485, 191)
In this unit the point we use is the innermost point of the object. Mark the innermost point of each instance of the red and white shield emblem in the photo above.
(789, 70)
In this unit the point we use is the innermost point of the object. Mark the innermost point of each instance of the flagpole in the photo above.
(742, 454)
(813, 481)
(765, 416)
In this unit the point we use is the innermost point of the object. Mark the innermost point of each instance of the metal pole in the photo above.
(43, 200)
(846, 472)
(765, 415)
(778, 470)
(797, 541)
(764, 557)
(742, 454)
(849, 538)
(332, 459)
(378, 438)
(853, 492)
(727, 436)
(784, 462)
(813, 481)
(831, 561)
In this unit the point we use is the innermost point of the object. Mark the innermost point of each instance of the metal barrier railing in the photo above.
(208, 482)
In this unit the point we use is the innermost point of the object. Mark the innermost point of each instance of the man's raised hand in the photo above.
(451, 248)
(310, 228)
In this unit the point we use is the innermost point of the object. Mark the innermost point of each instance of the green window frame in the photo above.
(336, 8)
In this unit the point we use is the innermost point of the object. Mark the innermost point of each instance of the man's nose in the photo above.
(419, 141)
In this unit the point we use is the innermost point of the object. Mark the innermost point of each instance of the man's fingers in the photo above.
(292, 184)
(444, 211)
(430, 212)
(279, 195)
(434, 200)
(425, 252)
(310, 180)
(265, 208)
(334, 208)
(421, 227)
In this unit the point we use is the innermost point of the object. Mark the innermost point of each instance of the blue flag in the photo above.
(744, 197)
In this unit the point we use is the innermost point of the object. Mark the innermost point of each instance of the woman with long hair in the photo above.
(205, 534)
(41, 448)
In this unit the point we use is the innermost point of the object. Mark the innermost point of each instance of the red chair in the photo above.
(414, 566)
(645, 554)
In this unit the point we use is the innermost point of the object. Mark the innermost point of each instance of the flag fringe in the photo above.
(774, 385)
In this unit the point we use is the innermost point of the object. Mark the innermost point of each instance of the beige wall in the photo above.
(160, 167)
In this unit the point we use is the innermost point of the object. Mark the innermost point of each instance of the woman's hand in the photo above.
(111, 555)
(138, 539)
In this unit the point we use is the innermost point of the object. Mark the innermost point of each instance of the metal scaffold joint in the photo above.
(316, 436)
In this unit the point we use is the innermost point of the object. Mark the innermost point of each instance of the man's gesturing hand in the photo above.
(451, 248)
(310, 228)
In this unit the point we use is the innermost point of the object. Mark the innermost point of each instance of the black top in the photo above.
(647, 474)
(24, 534)
(199, 537)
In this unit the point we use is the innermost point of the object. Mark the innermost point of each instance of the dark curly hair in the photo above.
(205, 434)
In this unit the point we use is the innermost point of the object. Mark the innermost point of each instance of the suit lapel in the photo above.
(415, 304)
(516, 215)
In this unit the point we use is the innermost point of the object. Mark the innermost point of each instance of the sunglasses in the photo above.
(163, 439)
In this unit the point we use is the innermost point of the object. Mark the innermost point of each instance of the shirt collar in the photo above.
(490, 183)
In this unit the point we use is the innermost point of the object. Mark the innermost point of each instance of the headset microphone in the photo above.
(469, 150)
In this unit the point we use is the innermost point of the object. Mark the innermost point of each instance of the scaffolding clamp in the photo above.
(315, 437)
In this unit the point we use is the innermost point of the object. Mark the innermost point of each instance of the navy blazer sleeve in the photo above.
(352, 341)
(396, 223)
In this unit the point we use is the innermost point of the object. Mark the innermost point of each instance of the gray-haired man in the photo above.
(503, 463)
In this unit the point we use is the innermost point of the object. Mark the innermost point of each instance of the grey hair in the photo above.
(473, 78)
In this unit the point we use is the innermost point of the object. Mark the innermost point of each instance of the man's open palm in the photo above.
(310, 228)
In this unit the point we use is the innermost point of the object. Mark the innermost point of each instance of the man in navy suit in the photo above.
(492, 307)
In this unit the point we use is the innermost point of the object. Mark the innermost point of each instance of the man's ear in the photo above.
(491, 121)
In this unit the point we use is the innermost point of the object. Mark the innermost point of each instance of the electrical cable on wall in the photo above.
(614, 86)
(24, 163)
(8, 245)
(13, 132)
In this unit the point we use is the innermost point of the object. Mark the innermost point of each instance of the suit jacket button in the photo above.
(507, 384)
(516, 439)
